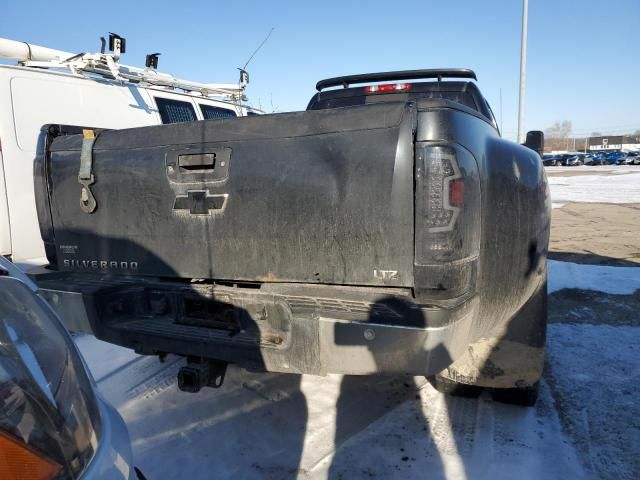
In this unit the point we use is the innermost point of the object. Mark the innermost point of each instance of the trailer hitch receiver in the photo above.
(200, 373)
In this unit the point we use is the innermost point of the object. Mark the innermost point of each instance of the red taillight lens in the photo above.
(388, 87)
(447, 222)
(456, 192)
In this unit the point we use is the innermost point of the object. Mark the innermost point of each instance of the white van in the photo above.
(31, 97)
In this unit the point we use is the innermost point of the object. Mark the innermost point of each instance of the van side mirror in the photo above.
(535, 141)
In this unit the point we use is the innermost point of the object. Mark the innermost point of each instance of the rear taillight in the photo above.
(439, 172)
(388, 87)
(447, 221)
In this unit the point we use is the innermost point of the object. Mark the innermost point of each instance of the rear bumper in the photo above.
(281, 328)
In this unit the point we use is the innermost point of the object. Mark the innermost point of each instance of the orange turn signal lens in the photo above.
(19, 462)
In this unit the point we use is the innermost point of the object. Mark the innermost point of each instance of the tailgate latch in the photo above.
(85, 175)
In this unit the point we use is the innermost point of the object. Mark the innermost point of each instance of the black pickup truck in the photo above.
(387, 229)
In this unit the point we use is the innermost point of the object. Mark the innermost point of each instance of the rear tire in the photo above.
(508, 366)
(524, 396)
(449, 387)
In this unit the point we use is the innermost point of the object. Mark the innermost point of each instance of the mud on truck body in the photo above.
(388, 229)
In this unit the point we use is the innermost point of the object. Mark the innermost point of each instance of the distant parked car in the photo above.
(591, 159)
(600, 159)
(575, 160)
(557, 159)
(632, 158)
(562, 159)
(615, 158)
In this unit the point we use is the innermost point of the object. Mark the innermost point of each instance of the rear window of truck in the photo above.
(463, 98)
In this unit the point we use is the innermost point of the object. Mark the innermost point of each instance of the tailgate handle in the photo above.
(197, 162)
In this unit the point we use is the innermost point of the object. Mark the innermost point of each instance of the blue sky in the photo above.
(583, 59)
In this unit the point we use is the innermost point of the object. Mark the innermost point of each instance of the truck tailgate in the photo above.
(315, 197)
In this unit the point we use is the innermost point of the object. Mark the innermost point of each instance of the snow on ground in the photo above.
(279, 426)
(594, 372)
(622, 188)
(595, 169)
(613, 280)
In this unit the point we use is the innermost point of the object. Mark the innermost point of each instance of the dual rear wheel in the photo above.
(523, 396)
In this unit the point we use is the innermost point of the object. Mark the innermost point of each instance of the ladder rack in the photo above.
(107, 65)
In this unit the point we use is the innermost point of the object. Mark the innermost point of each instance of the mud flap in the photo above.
(512, 359)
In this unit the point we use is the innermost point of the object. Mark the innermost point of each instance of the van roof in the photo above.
(109, 81)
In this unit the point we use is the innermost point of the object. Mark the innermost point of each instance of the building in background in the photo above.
(614, 142)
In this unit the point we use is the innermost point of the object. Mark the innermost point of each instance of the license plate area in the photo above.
(199, 313)
(210, 313)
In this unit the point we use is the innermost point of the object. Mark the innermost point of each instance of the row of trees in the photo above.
(559, 137)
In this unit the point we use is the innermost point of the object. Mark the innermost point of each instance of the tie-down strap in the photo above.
(85, 174)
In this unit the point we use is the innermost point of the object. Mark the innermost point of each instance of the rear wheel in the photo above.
(449, 387)
(524, 396)
(509, 365)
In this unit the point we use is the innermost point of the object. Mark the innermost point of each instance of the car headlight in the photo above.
(49, 417)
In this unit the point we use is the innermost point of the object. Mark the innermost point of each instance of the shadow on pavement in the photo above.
(591, 259)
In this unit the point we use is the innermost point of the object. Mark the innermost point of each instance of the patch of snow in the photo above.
(594, 375)
(444, 437)
(596, 188)
(623, 170)
(613, 280)
(596, 169)
(279, 426)
(557, 205)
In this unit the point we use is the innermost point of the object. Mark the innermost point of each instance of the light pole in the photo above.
(523, 70)
(501, 130)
